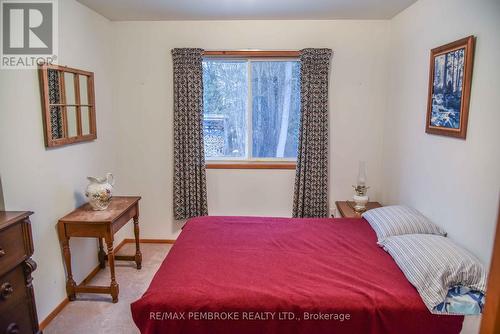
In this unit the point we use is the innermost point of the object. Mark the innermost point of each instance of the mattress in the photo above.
(280, 275)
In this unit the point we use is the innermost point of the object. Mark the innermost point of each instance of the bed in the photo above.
(280, 275)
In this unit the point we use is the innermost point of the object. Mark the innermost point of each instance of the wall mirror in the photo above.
(68, 105)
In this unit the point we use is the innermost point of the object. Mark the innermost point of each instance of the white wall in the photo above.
(51, 182)
(454, 182)
(250, 192)
(143, 101)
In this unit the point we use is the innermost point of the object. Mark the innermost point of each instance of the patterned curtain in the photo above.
(190, 190)
(54, 98)
(311, 179)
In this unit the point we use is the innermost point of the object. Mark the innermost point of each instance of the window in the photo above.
(251, 109)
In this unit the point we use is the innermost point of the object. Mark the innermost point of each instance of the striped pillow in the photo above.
(397, 220)
(434, 264)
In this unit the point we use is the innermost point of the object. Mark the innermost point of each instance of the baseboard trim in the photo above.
(45, 322)
(94, 272)
(151, 241)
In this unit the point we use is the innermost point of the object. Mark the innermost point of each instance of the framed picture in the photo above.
(450, 78)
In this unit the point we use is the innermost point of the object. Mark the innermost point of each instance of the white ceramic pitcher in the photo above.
(99, 191)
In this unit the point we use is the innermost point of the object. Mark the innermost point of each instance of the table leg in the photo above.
(138, 254)
(101, 255)
(70, 282)
(111, 259)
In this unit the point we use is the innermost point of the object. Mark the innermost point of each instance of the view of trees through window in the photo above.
(251, 108)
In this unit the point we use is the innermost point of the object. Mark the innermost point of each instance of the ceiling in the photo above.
(150, 10)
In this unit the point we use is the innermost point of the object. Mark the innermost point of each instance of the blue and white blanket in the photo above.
(462, 300)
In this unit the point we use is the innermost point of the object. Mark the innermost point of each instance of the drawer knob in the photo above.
(13, 328)
(6, 290)
(2, 252)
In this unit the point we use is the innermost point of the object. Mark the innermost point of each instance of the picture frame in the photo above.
(68, 105)
(450, 78)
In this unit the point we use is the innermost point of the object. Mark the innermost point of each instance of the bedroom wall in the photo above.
(51, 182)
(143, 101)
(454, 182)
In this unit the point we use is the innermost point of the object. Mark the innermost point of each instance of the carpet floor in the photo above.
(92, 313)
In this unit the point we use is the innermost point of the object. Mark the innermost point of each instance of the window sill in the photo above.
(251, 165)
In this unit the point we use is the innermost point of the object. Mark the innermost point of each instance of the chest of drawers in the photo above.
(17, 301)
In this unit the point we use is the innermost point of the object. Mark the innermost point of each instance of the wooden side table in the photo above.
(85, 222)
(346, 208)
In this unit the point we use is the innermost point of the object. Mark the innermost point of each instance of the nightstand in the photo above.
(346, 208)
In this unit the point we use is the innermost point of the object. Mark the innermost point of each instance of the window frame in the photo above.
(251, 162)
(65, 139)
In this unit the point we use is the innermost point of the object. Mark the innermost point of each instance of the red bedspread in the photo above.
(278, 275)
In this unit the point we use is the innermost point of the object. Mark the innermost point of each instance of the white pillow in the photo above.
(397, 220)
(434, 264)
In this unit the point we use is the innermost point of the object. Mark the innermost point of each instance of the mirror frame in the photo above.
(46, 105)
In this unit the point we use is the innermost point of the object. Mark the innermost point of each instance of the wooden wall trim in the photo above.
(253, 53)
(490, 323)
(151, 241)
(45, 322)
(251, 165)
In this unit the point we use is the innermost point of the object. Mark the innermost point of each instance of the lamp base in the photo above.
(361, 202)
